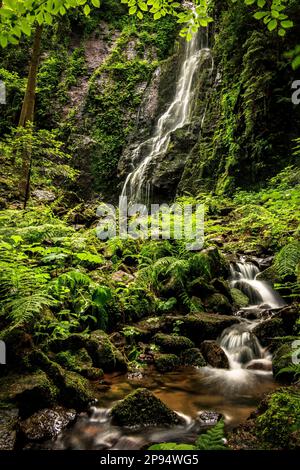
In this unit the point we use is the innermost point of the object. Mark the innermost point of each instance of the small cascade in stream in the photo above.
(249, 362)
(244, 277)
(137, 186)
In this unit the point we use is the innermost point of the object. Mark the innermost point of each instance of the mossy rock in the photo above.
(268, 329)
(240, 300)
(282, 359)
(29, 391)
(75, 392)
(104, 354)
(278, 425)
(142, 408)
(172, 343)
(80, 362)
(201, 326)
(199, 287)
(166, 362)
(214, 354)
(18, 344)
(219, 303)
(192, 357)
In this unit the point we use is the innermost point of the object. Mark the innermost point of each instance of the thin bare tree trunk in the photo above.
(27, 113)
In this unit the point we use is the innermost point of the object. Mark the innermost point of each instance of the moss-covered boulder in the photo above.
(102, 351)
(29, 391)
(104, 354)
(218, 303)
(215, 262)
(192, 357)
(18, 344)
(269, 329)
(278, 424)
(240, 300)
(201, 326)
(166, 362)
(281, 360)
(73, 390)
(142, 408)
(172, 343)
(80, 362)
(214, 354)
(8, 428)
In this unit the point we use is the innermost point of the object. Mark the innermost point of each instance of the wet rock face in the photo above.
(214, 354)
(47, 423)
(192, 357)
(8, 424)
(142, 408)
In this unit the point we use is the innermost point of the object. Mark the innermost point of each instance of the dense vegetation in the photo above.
(74, 307)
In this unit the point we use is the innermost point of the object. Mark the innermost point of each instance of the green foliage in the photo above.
(287, 261)
(213, 439)
(281, 418)
(172, 446)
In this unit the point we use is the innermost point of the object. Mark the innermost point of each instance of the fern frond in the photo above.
(212, 439)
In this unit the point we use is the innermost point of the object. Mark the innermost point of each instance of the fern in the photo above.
(287, 260)
(172, 446)
(212, 439)
(293, 368)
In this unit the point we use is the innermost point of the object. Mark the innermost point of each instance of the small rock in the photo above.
(122, 276)
(208, 418)
(260, 365)
(44, 195)
(47, 423)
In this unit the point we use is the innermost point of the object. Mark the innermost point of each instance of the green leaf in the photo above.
(140, 15)
(272, 25)
(281, 32)
(96, 3)
(287, 24)
(296, 63)
(157, 15)
(132, 10)
(86, 10)
(260, 14)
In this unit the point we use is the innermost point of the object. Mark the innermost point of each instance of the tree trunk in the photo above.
(27, 113)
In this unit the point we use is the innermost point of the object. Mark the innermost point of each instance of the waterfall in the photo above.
(244, 277)
(137, 186)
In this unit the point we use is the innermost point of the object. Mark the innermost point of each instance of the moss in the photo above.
(76, 391)
(281, 419)
(192, 357)
(201, 326)
(28, 392)
(79, 362)
(281, 360)
(172, 343)
(219, 303)
(142, 408)
(166, 362)
(239, 298)
(104, 354)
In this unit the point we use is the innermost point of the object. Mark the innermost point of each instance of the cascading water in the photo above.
(137, 186)
(249, 362)
(244, 277)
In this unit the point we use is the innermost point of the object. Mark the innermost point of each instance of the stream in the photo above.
(233, 392)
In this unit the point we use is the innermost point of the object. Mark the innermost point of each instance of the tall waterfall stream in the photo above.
(234, 392)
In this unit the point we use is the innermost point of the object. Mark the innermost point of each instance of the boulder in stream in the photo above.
(172, 343)
(166, 362)
(46, 423)
(142, 408)
(214, 355)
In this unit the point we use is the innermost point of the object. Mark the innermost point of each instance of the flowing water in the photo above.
(144, 158)
(233, 392)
